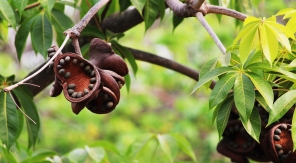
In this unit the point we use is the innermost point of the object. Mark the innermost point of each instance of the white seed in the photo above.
(81, 64)
(74, 95)
(79, 94)
(67, 59)
(59, 66)
(50, 50)
(51, 54)
(70, 91)
(105, 97)
(92, 80)
(92, 73)
(87, 68)
(71, 86)
(90, 86)
(86, 91)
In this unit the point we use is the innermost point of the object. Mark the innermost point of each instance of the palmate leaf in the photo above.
(48, 5)
(208, 66)
(294, 131)
(27, 105)
(244, 96)
(7, 13)
(20, 5)
(176, 21)
(223, 115)
(41, 34)
(269, 43)
(221, 89)
(282, 105)
(22, 35)
(8, 120)
(253, 125)
(263, 87)
(150, 13)
(211, 75)
(39, 156)
(262, 101)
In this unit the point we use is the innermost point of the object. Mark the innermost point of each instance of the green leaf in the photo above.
(246, 43)
(244, 96)
(223, 115)
(22, 35)
(208, 66)
(8, 155)
(253, 125)
(96, 153)
(221, 89)
(127, 79)
(78, 155)
(263, 87)
(7, 13)
(246, 29)
(21, 123)
(214, 2)
(176, 21)
(139, 144)
(161, 8)
(282, 105)
(215, 113)
(60, 21)
(20, 5)
(139, 4)
(28, 106)
(262, 101)
(41, 34)
(211, 75)
(107, 146)
(292, 23)
(124, 4)
(8, 120)
(165, 147)
(184, 145)
(93, 32)
(48, 5)
(123, 51)
(269, 43)
(150, 12)
(294, 131)
(280, 35)
(39, 156)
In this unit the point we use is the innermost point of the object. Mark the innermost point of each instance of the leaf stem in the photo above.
(203, 21)
(9, 88)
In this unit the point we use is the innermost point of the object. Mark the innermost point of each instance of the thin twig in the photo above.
(32, 5)
(75, 43)
(203, 21)
(225, 11)
(78, 28)
(20, 108)
(7, 89)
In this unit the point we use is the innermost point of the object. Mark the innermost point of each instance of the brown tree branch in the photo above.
(187, 10)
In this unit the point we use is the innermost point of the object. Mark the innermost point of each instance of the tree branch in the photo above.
(216, 39)
(189, 10)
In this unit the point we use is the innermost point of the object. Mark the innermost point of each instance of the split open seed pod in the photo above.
(236, 138)
(278, 144)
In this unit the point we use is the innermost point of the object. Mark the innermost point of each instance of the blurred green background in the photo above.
(158, 100)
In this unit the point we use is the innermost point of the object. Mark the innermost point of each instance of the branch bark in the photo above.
(190, 9)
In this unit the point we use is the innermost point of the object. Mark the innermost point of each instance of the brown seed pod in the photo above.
(278, 144)
(102, 55)
(71, 74)
(236, 138)
(235, 157)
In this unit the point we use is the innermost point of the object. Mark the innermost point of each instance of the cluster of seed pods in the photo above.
(275, 140)
(94, 84)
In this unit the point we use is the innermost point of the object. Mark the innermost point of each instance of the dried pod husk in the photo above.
(236, 138)
(56, 88)
(278, 144)
(71, 73)
(258, 154)
(99, 104)
(110, 82)
(102, 56)
(235, 157)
